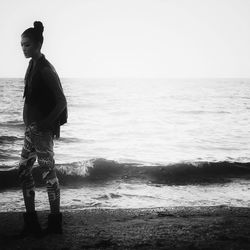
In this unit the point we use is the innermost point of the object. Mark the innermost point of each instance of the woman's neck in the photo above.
(36, 57)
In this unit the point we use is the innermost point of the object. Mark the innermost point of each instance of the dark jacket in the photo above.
(38, 92)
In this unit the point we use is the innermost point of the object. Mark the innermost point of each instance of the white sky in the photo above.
(131, 38)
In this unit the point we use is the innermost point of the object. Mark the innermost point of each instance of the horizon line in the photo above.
(138, 77)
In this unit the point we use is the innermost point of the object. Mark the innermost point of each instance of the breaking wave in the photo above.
(102, 170)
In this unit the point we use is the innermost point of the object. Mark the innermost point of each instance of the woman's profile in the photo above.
(45, 109)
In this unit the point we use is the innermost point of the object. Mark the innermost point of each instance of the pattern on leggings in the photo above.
(39, 145)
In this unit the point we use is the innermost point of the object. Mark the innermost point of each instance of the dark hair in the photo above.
(36, 33)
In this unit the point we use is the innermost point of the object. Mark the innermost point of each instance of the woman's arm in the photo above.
(52, 80)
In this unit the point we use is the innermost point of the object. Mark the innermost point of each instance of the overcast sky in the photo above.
(131, 38)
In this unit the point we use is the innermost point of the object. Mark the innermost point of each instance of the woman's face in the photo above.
(30, 49)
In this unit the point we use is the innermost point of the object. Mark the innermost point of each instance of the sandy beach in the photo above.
(219, 227)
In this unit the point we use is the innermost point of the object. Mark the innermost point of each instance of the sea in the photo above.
(138, 143)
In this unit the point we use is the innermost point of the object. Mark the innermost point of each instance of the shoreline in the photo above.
(192, 228)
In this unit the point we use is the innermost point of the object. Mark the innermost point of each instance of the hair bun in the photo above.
(38, 26)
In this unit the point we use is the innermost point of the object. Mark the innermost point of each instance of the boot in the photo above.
(54, 224)
(31, 225)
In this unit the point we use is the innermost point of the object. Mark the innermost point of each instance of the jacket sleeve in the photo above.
(52, 80)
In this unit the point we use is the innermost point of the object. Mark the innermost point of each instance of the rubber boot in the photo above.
(31, 225)
(54, 224)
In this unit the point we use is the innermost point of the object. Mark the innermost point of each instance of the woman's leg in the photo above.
(43, 142)
(28, 157)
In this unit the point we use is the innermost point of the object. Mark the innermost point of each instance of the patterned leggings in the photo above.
(38, 144)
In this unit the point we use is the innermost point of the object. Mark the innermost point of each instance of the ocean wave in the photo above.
(9, 139)
(12, 123)
(71, 140)
(204, 112)
(101, 170)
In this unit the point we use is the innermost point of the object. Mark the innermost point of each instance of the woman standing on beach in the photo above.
(43, 113)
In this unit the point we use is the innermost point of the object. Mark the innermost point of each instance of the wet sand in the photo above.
(181, 228)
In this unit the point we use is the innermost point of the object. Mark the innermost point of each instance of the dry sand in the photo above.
(160, 228)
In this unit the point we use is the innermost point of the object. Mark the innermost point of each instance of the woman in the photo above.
(44, 111)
